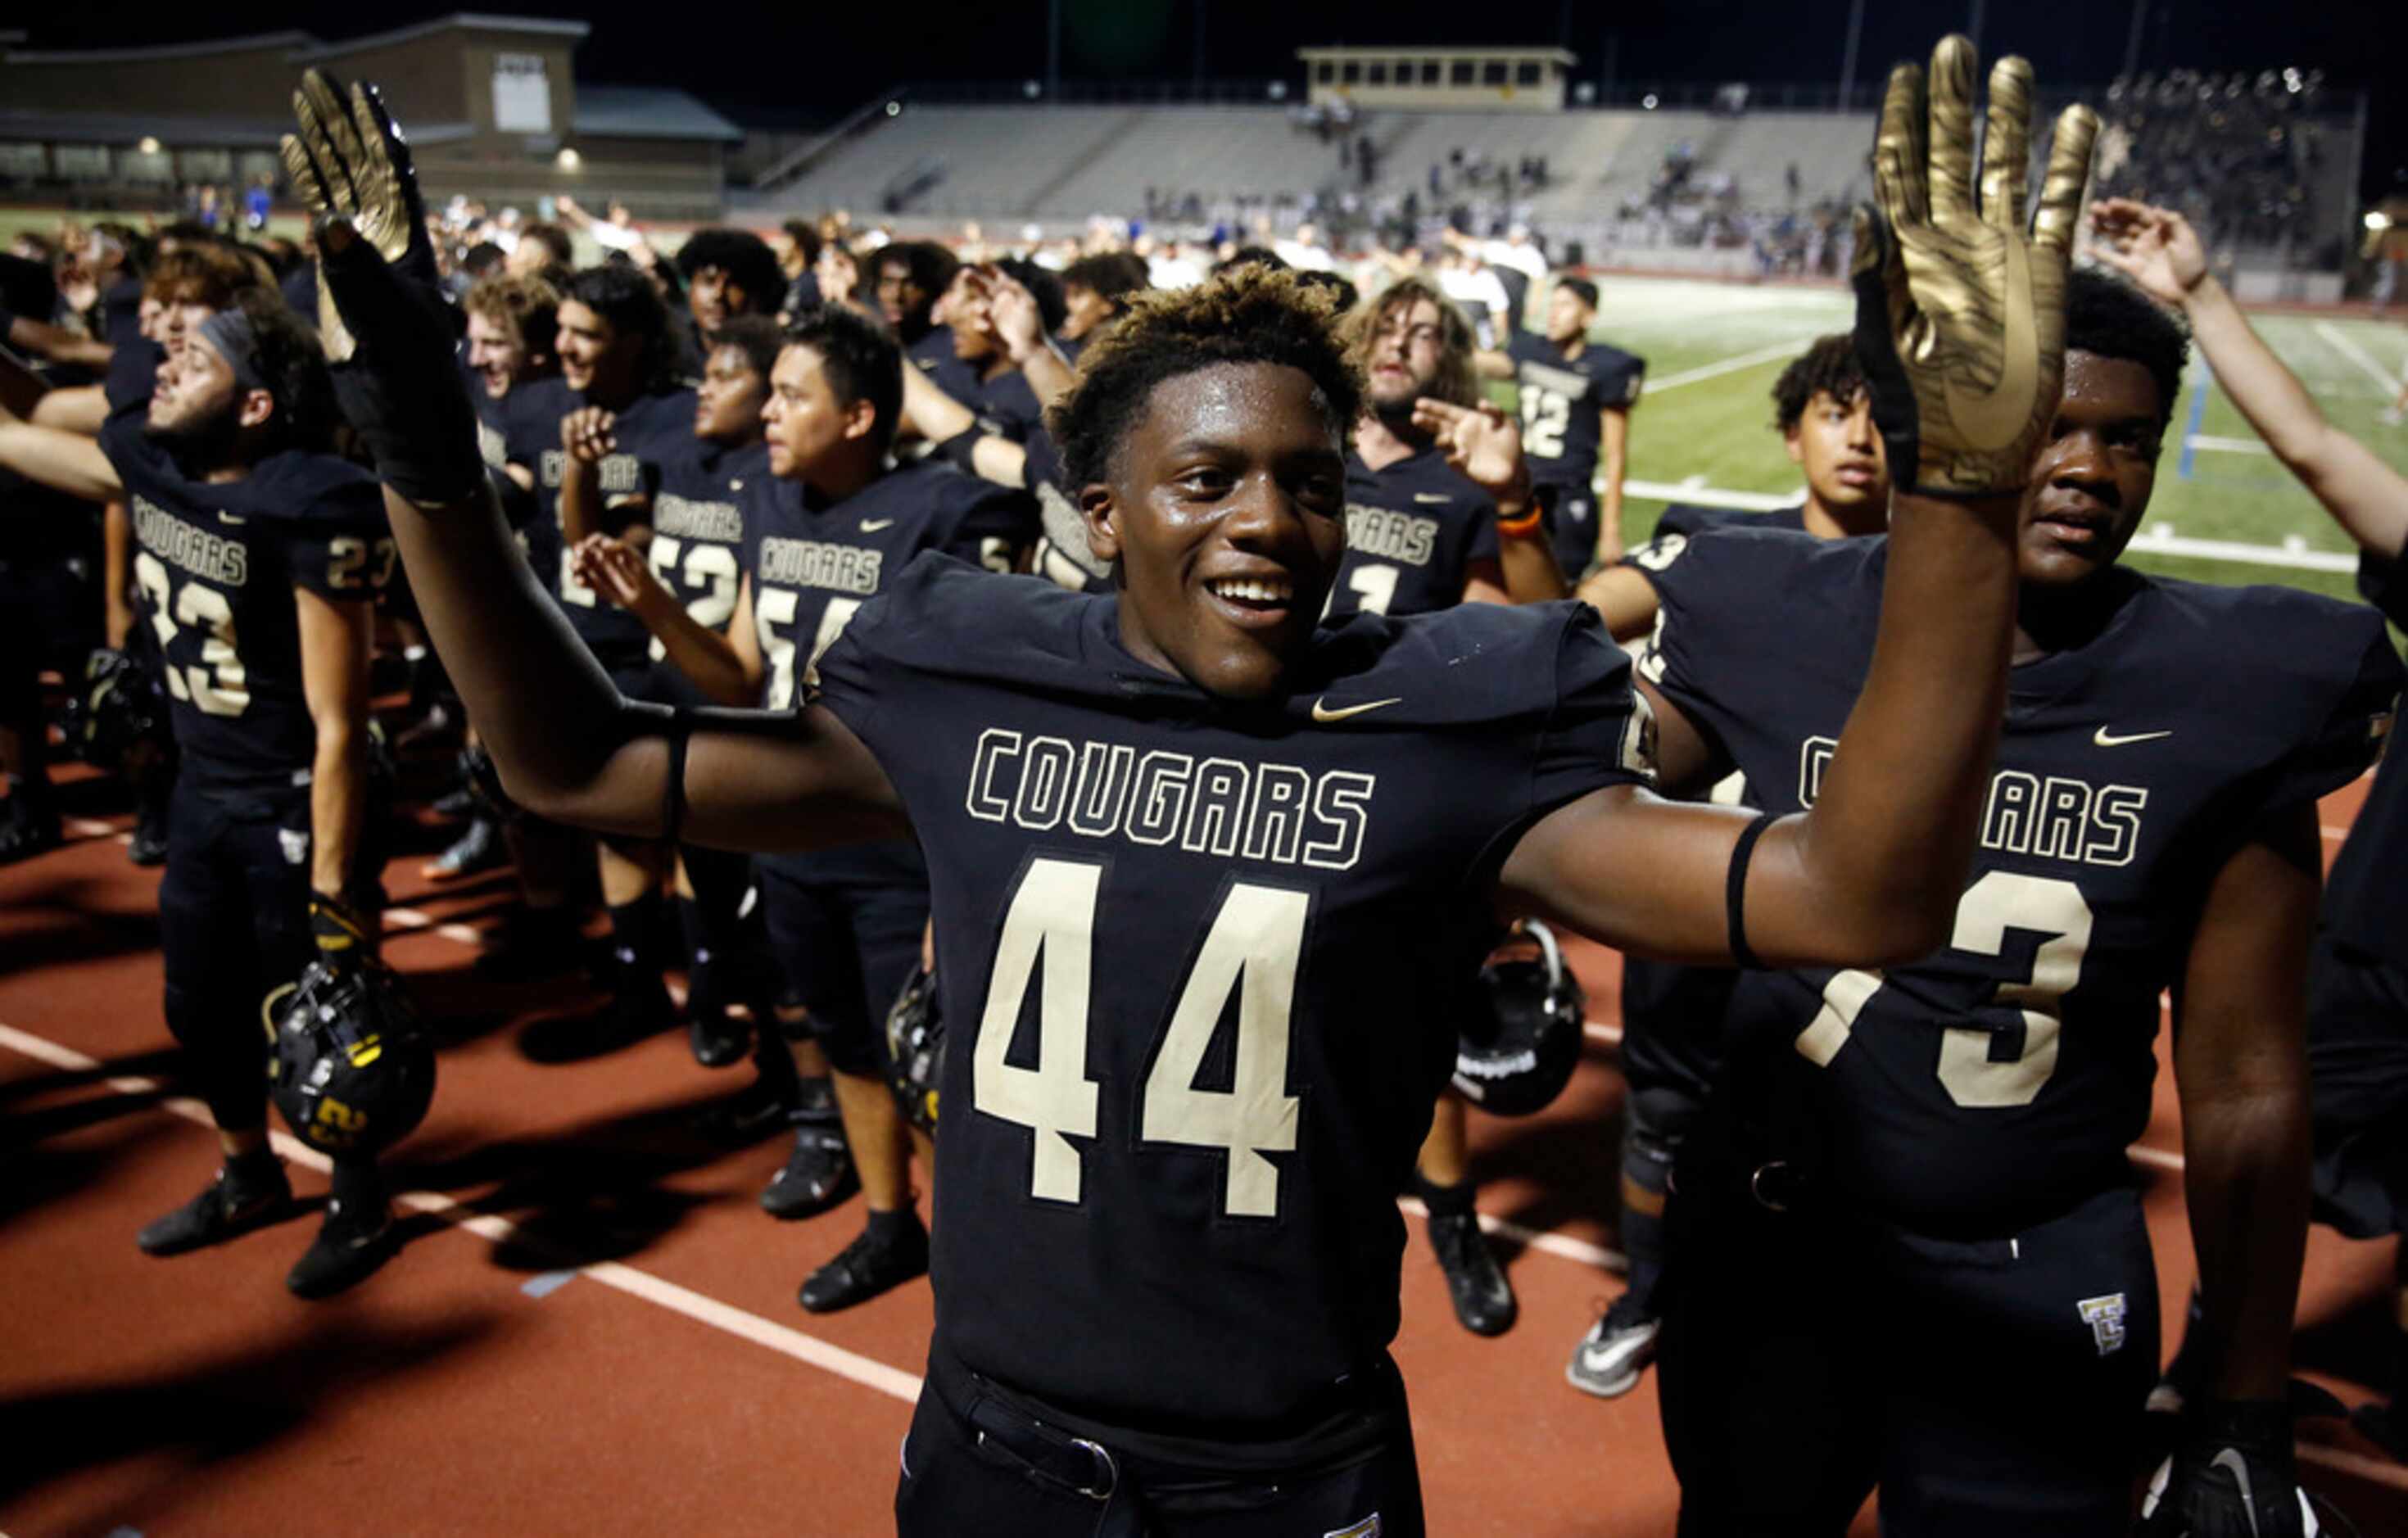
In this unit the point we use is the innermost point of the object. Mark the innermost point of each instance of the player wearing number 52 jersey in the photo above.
(257, 559)
(1932, 1154)
(1210, 879)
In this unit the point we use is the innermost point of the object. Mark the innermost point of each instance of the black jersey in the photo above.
(508, 432)
(1999, 1082)
(1205, 964)
(1561, 399)
(933, 356)
(2366, 900)
(650, 429)
(1007, 406)
(698, 542)
(1412, 532)
(216, 566)
(814, 567)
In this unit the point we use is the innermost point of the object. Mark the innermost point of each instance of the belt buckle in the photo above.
(1110, 1470)
(1755, 1185)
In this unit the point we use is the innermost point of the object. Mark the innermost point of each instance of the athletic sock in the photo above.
(635, 939)
(887, 1228)
(1447, 1201)
(359, 1191)
(702, 993)
(254, 1172)
(1646, 1181)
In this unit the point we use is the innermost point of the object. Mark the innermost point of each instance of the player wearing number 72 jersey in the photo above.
(1210, 879)
(1932, 1156)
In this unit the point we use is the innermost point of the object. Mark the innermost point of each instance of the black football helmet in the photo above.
(117, 706)
(349, 1064)
(915, 1050)
(1516, 1056)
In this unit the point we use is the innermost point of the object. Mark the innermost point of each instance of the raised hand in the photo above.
(1012, 314)
(589, 433)
(2154, 247)
(387, 331)
(1482, 442)
(839, 274)
(1960, 314)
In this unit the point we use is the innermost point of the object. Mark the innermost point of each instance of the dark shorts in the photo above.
(981, 1459)
(2357, 1071)
(1570, 514)
(1988, 1387)
(234, 924)
(1673, 1025)
(845, 946)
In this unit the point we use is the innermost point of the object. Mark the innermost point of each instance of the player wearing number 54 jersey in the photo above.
(1211, 878)
(1931, 1156)
(257, 559)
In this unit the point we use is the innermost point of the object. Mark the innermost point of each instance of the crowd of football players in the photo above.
(854, 480)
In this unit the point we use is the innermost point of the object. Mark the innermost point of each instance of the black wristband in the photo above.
(961, 448)
(1735, 893)
(673, 794)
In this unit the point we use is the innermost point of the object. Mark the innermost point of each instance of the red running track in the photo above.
(592, 1327)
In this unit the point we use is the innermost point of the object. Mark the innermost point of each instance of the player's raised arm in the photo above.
(2157, 249)
(567, 745)
(1960, 319)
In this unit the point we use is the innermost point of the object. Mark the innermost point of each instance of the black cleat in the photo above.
(818, 1175)
(149, 846)
(347, 1250)
(1483, 1298)
(454, 803)
(229, 1207)
(477, 848)
(867, 1267)
(719, 1039)
(25, 832)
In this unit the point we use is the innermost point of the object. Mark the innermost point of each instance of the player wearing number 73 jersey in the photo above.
(257, 558)
(1931, 1157)
(1211, 878)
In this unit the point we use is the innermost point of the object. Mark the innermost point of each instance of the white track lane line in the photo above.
(1554, 1244)
(409, 921)
(652, 1289)
(2374, 1471)
(2385, 381)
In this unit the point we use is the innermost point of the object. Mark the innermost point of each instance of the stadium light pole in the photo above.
(1848, 59)
(1053, 49)
(2132, 44)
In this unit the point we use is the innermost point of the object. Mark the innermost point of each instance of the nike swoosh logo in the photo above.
(2106, 739)
(1322, 712)
(1432, 497)
(2231, 1462)
(872, 525)
(228, 518)
(1997, 418)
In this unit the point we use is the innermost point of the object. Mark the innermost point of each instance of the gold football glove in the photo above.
(386, 327)
(1960, 314)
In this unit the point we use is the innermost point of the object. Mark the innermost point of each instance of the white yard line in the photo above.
(1727, 365)
(2384, 379)
(2227, 445)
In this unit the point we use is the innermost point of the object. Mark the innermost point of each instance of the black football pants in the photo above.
(233, 922)
(2357, 1078)
(989, 1468)
(1988, 1387)
(845, 948)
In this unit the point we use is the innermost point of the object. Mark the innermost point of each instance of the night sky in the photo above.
(794, 65)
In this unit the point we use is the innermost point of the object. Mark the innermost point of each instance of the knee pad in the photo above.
(852, 1046)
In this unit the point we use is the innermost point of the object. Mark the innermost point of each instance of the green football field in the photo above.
(2225, 509)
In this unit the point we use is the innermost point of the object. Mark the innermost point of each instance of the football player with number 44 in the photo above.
(1931, 1156)
(1167, 1244)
